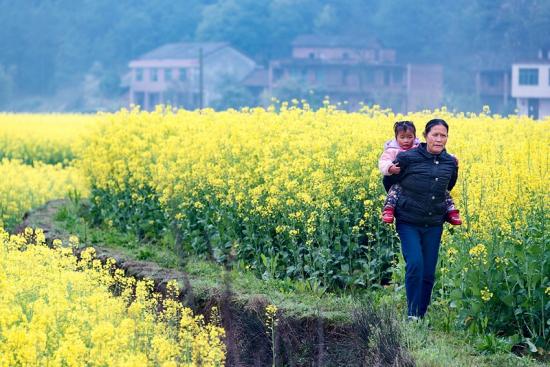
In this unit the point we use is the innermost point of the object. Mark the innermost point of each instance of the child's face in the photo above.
(405, 139)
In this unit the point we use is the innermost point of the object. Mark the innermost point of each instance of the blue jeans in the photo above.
(420, 247)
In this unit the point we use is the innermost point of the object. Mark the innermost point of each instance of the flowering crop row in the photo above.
(296, 194)
(60, 310)
(46, 138)
(24, 187)
(287, 195)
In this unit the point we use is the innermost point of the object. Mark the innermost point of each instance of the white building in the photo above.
(531, 86)
(171, 74)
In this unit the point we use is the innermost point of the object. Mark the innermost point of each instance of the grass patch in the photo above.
(431, 348)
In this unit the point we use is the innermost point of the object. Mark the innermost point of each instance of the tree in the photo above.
(234, 96)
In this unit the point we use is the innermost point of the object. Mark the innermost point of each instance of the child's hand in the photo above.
(394, 169)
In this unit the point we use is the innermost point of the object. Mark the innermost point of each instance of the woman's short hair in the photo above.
(404, 126)
(435, 122)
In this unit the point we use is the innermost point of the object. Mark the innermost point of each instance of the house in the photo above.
(356, 71)
(531, 85)
(493, 89)
(173, 74)
(256, 82)
(493, 83)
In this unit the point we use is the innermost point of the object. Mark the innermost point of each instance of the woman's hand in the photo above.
(394, 169)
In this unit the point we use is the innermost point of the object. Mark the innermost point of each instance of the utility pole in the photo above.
(201, 79)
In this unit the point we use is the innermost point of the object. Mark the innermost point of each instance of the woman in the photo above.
(427, 172)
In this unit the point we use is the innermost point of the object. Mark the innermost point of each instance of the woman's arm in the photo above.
(454, 177)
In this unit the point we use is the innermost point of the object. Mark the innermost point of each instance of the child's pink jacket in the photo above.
(391, 148)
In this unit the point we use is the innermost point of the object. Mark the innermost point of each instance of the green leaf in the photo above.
(456, 295)
(508, 300)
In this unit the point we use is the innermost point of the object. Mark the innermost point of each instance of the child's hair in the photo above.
(404, 126)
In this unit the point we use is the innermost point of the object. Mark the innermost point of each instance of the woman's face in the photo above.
(436, 139)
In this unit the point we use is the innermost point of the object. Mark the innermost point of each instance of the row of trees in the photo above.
(48, 44)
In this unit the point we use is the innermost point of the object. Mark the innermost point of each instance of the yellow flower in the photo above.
(74, 241)
(479, 252)
(271, 318)
(501, 261)
(95, 327)
(486, 295)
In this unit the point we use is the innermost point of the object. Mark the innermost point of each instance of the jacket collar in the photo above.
(422, 148)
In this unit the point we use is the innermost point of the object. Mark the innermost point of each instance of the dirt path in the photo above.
(43, 217)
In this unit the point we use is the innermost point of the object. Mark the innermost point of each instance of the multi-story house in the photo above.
(186, 75)
(493, 83)
(493, 89)
(531, 85)
(357, 71)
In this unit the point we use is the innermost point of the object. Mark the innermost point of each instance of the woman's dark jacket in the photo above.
(424, 178)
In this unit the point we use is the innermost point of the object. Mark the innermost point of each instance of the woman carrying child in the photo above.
(405, 139)
(425, 174)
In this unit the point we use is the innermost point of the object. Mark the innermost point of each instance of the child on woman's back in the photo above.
(405, 139)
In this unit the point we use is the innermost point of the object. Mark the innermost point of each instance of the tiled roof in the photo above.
(332, 62)
(257, 78)
(532, 60)
(312, 40)
(183, 50)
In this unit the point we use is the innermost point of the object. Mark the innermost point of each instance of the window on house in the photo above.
(398, 76)
(345, 75)
(182, 74)
(167, 74)
(277, 74)
(387, 77)
(139, 74)
(154, 99)
(528, 76)
(298, 73)
(311, 55)
(492, 79)
(139, 99)
(319, 76)
(154, 75)
(345, 55)
(369, 76)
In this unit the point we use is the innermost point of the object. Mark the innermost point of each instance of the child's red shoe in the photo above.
(387, 215)
(453, 217)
